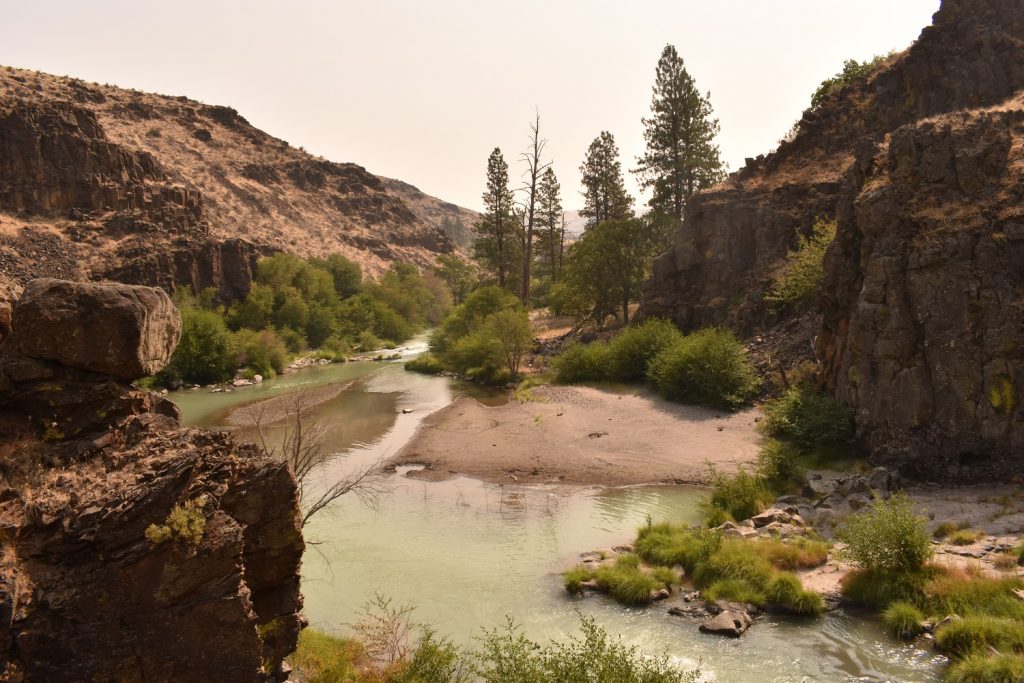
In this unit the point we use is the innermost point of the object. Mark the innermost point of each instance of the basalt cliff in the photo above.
(98, 182)
(920, 323)
(131, 548)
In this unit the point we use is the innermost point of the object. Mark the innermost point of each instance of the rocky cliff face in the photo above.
(89, 467)
(730, 247)
(100, 182)
(924, 295)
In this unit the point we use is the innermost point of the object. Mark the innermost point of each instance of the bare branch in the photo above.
(302, 446)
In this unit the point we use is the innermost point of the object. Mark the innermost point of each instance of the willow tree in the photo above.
(604, 192)
(496, 248)
(682, 157)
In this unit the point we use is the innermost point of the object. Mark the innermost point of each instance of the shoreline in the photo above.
(582, 436)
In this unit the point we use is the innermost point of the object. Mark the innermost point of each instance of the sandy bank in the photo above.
(278, 408)
(582, 435)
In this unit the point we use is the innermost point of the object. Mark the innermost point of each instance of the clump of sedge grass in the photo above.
(903, 619)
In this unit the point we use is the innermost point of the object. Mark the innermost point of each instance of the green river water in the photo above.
(467, 554)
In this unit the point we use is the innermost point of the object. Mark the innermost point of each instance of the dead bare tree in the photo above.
(302, 447)
(534, 168)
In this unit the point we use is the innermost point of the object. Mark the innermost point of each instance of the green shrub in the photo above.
(322, 658)
(975, 635)
(735, 590)
(799, 553)
(800, 281)
(978, 595)
(576, 577)
(737, 496)
(807, 603)
(583, 363)
(735, 559)
(785, 589)
(708, 367)
(945, 529)
(903, 619)
(435, 660)
(635, 347)
(665, 575)
(965, 536)
(669, 545)
(809, 418)
(507, 656)
(204, 353)
(985, 668)
(852, 71)
(879, 589)
(184, 523)
(778, 464)
(887, 536)
(262, 352)
(626, 582)
(428, 364)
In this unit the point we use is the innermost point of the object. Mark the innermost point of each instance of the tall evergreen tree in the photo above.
(682, 157)
(605, 196)
(551, 235)
(496, 248)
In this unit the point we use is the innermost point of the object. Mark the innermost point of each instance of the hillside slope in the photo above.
(165, 190)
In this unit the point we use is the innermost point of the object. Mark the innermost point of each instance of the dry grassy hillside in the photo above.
(209, 174)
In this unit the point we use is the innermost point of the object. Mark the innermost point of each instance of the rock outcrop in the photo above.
(97, 580)
(923, 301)
(924, 296)
(124, 332)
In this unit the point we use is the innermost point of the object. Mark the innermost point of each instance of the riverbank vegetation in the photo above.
(976, 619)
(752, 571)
(300, 306)
(484, 339)
(708, 366)
(391, 648)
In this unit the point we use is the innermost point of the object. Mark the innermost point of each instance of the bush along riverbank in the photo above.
(300, 312)
(959, 591)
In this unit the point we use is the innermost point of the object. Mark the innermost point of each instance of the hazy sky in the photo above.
(422, 91)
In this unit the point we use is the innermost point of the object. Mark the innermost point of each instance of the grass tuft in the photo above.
(977, 634)
(985, 668)
(903, 619)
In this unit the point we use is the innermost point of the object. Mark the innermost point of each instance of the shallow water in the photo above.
(467, 554)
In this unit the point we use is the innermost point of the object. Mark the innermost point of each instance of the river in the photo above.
(467, 554)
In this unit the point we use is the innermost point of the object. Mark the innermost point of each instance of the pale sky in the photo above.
(422, 91)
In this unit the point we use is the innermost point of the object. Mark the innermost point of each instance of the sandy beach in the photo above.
(582, 436)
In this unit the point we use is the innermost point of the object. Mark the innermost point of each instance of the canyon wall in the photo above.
(922, 309)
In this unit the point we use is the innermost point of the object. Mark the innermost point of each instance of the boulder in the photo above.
(729, 623)
(123, 331)
(770, 516)
(881, 479)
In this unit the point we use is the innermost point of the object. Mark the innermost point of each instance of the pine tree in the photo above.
(682, 157)
(605, 196)
(496, 248)
(551, 235)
